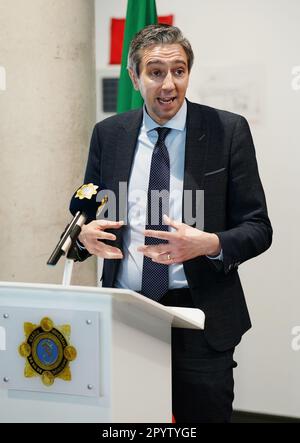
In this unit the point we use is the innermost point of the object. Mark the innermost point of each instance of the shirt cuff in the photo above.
(80, 245)
(216, 257)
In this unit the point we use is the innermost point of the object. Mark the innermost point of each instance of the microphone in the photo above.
(85, 208)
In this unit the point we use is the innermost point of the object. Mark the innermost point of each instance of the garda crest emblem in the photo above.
(86, 191)
(47, 351)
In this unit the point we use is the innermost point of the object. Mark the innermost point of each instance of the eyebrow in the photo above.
(159, 62)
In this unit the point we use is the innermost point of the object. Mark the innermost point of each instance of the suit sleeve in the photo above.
(249, 230)
(93, 167)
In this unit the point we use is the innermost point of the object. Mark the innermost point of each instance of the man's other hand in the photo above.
(183, 244)
(92, 234)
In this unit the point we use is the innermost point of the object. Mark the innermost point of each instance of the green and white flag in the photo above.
(140, 13)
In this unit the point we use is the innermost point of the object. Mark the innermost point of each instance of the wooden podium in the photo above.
(82, 354)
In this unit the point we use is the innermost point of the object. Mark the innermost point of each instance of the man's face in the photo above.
(163, 80)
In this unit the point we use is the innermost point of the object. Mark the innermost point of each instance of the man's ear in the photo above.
(134, 79)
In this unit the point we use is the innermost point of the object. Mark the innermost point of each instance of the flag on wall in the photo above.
(117, 27)
(139, 14)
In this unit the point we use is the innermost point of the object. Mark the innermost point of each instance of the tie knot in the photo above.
(162, 134)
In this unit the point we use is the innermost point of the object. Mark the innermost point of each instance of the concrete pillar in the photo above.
(47, 111)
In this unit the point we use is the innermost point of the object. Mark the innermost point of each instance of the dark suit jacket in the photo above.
(219, 158)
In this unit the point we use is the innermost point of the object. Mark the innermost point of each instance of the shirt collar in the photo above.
(177, 122)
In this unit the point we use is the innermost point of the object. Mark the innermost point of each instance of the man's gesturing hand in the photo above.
(93, 232)
(183, 244)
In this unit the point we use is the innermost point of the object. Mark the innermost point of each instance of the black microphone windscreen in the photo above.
(87, 200)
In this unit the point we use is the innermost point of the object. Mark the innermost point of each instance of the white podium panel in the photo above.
(84, 326)
(113, 349)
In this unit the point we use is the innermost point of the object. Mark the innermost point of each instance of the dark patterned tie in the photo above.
(155, 278)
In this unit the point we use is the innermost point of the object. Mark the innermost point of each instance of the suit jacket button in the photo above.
(230, 267)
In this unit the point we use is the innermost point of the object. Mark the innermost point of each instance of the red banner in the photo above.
(117, 27)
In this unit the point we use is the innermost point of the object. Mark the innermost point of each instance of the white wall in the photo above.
(47, 111)
(252, 47)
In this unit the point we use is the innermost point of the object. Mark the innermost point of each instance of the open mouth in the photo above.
(166, 100)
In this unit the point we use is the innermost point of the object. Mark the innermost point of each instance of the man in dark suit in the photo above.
(204, 149)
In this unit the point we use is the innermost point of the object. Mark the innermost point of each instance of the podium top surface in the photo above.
(190, 318)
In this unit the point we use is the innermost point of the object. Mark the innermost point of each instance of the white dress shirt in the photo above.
(131, 267)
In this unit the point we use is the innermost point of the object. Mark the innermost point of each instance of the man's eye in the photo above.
(156, 73)
(179, 72)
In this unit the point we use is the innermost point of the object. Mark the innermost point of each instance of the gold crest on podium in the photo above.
(47, 351)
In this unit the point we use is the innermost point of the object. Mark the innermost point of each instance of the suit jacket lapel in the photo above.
(119, 154)
(127, 140)
(195, 151)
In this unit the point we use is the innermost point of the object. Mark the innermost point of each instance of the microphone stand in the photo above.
(67, 276)
(71, 256)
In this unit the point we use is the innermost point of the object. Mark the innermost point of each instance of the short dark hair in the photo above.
(159, 34)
